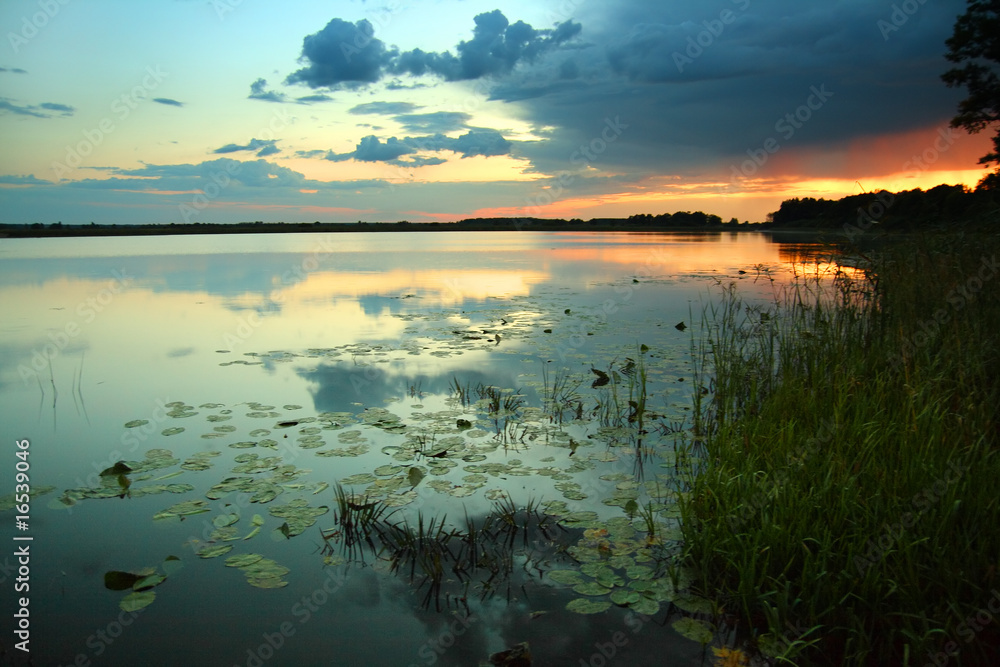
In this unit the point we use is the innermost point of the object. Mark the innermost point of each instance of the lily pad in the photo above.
(567, 577)
(137, 600)
(587, 606)
(243, 560)
(624, 597)
(214, 551)
(120, 581)
(591, 588)
(148, 582)
(694, 629)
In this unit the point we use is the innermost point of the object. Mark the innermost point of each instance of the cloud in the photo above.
(371, 149)
(474, 142)
(263, 147)
(497, 46)
(168, 101)
(437, 122)
(383, 108)
(341, 53)
(312, 99)
(693, 94)
(345, 54)
(30, 179)
(14, 70)
(258, 91)
(37, 111)
(186, 177)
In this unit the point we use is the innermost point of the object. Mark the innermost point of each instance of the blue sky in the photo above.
(230, 110)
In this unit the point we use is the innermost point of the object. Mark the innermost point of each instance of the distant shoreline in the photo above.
(39, 230)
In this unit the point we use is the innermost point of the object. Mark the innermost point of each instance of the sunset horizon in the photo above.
(224, 111)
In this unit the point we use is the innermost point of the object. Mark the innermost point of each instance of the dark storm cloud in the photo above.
(345, 54)
(700, 84)
(263, 147)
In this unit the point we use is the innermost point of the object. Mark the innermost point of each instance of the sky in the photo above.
(216, 111)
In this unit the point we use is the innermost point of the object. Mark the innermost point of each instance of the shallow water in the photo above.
(336, 356)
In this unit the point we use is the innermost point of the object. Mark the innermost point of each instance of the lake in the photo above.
(511, 410)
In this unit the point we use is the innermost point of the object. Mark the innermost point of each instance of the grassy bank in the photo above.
(848, 511)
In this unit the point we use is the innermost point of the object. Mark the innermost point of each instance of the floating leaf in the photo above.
(693, 604)
(694, 629)
(137, 600)
(136, 422)
(267, 582)
(587, 606)
(148, 582)
(171, 564)
(567, 577)
(243, 560)
(120, 581)
(120, 468)
(591, 588)
(624, 597)
(414, 475)
(646, 607)
(214, 551)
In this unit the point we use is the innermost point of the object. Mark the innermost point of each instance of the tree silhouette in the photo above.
(975, 48)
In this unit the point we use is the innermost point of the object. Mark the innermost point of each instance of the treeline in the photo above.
(666, 221)
(944, 205)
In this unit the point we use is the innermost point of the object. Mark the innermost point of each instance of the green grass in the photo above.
(847, 508)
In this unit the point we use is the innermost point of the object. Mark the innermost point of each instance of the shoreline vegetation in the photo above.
(846, 511)
(850, 216)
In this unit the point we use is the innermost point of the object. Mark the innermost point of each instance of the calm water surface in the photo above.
(334, 356)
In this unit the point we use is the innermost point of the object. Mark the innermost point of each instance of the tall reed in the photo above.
(847, 503)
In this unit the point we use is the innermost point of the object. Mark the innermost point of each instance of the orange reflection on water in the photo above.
(686, 253)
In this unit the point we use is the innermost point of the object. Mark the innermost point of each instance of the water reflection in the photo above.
(333, 325)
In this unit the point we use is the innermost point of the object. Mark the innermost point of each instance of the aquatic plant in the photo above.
(850, 444)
